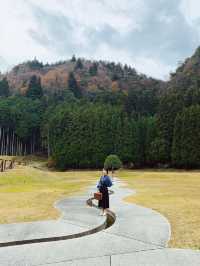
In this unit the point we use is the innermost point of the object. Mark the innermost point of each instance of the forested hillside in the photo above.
(91, 77)
(78, 111)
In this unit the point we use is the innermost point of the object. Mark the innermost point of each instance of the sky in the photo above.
(154, 36)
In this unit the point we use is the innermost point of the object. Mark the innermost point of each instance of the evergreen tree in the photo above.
(141, 101)
(93, 69)
(177, 142)
(34, 90)
(186, 144)
(79, 64)
(157, 154)
(4, 88)
(73, 127)
(73, 85)
(21, 117)
(73, 59)
(35, 64)
(169, 106)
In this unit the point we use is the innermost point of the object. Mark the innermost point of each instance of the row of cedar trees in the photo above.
(20, 119)
(11, 144)
(85, 134)
(144, 128)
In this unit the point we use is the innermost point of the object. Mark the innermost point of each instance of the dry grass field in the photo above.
(176, 195)
(28, 194)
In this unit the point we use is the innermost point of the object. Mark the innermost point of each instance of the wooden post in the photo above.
(6, 164)
(1, 165)
(4, 167)
(11, 164)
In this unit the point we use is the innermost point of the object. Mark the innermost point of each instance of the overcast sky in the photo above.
(151, 35)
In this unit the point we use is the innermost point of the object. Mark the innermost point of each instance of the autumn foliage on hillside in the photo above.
(91, 76)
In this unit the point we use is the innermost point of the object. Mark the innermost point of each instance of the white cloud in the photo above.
(16, 45)
(153, 67)
(143, 33)
(191, 9)
(150, 66)
(94, 13)
(105, 53)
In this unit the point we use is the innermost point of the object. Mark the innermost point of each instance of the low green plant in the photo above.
(112, 163)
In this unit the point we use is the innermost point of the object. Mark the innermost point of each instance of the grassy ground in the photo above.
(28, 194)
(175, 194)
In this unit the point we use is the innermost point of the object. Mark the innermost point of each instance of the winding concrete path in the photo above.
(139, 236)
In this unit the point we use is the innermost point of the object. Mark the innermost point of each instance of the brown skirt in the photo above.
(104, 203)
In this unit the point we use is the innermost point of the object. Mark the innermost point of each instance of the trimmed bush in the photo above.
(112, 163)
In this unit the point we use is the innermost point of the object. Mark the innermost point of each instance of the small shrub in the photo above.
(112, 163)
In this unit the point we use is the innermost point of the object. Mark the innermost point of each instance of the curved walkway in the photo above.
(139, 236)
(77, 220)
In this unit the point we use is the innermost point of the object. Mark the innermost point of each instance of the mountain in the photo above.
(187, 74)
(97, 76)
(147, 122)
(91, 76)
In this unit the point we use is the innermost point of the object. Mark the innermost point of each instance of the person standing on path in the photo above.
(104, 183)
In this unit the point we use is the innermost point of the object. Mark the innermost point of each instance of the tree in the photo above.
(141, 101)
(170, 104)
(34, 90)
(73, 126)
(186, 142)
(113, 98)
(115, 77)
(20, 122)
(73, 59)
(73, 85)
(35, 64)
(157, 152)
(93, 69)
(79, 64)
(4, 88)
(112, 163)
(177, 141)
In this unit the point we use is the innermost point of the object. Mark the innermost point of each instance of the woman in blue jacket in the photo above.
(103, 185)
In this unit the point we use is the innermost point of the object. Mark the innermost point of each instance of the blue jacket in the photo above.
(104, 181)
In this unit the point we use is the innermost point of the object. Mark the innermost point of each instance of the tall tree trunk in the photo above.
(48, 144)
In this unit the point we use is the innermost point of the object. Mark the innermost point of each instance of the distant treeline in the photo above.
(143, 127)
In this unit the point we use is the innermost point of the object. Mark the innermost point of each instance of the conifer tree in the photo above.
(186, 144)
(73, 59)
(79, 64)
(73, 85)
(34, 90)
(4, 88)
(93, 69)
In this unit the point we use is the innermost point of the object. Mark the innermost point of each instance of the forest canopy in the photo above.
(100, 109)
